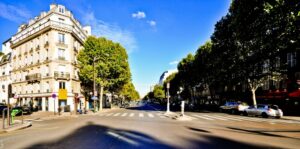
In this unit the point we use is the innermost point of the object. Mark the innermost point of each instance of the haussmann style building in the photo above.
(44, 69)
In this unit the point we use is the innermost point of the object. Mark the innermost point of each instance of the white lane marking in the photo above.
(109, 114)
(198, 116)
(132, 142)
(150, 115)
(124, 114)
(117, 114)
(131, 114)
(226, 117)
(213, 117)
(141, 115)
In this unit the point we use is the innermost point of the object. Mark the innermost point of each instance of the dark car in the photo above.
(2, 107)
(25, 109)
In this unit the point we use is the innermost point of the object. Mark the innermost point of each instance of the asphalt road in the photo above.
(147, 127)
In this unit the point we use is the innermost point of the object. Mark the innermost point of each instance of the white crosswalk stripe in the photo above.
(150, 115)
(117, 114)
(215, 117)
(160, 115)
(240, 118)
(132, 115)
(141, 115)
(203, 117)
(229, 118)
(109, 114)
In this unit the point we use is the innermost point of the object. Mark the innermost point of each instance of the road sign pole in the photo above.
(54, 96)
(168, 98)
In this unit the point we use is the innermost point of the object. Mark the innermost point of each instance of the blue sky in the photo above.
(156, 33)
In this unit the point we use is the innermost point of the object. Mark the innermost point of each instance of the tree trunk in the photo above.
(253, 97)
(101, 98)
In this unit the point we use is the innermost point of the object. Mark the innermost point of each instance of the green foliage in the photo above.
(129, 92)
(251, 33)
(159, 93)
(111, 66)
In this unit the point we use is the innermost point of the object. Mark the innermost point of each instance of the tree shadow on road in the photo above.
(267, 132)
(99, 136)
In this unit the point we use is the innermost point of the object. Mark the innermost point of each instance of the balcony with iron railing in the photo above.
(62, 58)
(61, 75)
(33, 77)
(52, 24)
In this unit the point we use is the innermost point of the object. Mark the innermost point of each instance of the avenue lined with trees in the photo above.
(246, 48)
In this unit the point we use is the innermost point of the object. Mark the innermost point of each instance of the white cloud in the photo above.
(151, 23)
(14, 13)
(174, 63)
(110, 31)
(139, 15)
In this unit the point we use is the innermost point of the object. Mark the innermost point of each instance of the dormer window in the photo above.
(61, 10)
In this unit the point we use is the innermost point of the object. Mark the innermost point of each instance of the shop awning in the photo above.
(295, 94)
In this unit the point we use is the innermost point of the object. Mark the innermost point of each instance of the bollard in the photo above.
(3, 117)
(22, 118)
(182, 108)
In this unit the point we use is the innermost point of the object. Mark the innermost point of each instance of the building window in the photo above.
(3, 87)
(292, 59)
(266, 85)
(61, 19)
(266, 66)
(62, 85)
(61, 38)
(277, 62)
(61, 10)
(61, 54)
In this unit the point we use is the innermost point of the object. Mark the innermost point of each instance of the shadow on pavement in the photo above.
(99, 136)
(215, 142)
(198, 130)
(265, 132)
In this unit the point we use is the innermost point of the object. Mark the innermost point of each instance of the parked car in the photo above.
(25, 109)
(234, 107)
(2, 107)
(264, 111)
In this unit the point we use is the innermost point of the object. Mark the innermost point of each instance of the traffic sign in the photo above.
(53, 95)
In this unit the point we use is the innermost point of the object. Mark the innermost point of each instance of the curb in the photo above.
(18, 127)
(183, 118)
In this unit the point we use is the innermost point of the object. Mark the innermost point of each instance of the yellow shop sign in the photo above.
(62, 94)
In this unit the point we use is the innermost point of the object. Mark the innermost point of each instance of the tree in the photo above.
(111, 65)
(129, 92)
(159, 93)
(187, 74)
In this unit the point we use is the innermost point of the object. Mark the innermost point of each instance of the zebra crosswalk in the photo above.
(132, 115)
(216, 117)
